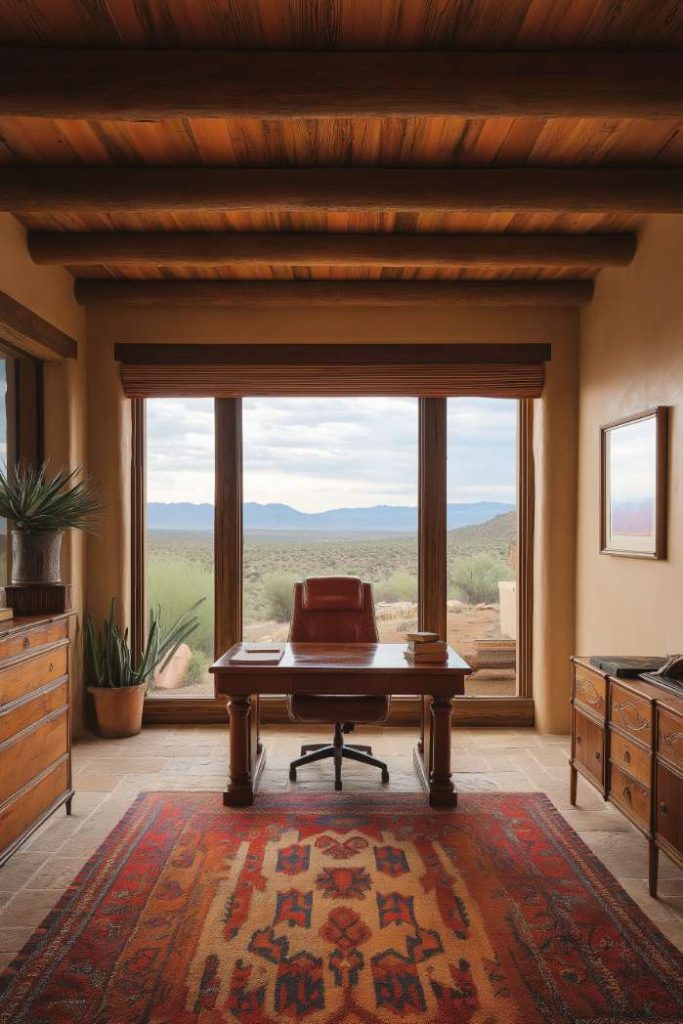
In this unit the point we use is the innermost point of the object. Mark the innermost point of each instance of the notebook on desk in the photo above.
(258, 654)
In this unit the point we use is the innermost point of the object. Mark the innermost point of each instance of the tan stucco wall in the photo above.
(48, 291)
(555, 437)
(631, 360)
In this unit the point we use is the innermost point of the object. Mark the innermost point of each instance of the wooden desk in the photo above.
(339, 669)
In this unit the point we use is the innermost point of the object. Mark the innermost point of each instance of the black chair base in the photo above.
(338, 750)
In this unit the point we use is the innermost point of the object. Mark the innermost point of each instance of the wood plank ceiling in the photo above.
(591, 128)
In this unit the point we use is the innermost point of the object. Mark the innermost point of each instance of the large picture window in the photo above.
(330, 488)
(322, 486)
(179, 541)
(482, 545)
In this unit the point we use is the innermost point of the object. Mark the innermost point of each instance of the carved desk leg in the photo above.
(441, 789)
(240, 791)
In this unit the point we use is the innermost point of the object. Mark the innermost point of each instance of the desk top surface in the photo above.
(301, 658)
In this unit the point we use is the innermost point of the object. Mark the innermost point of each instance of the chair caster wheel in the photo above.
(385, 776)
(337, 786)
(292, 774)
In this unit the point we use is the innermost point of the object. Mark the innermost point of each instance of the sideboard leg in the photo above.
(653, 865)
(572, 785)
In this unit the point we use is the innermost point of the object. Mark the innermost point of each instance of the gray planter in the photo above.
(36, 557)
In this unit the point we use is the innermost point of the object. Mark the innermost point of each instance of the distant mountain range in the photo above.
(273, 516)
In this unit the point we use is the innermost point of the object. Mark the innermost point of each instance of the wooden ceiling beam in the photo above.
(285, 294)
(25, 190)
(156, 84)
(213, 249)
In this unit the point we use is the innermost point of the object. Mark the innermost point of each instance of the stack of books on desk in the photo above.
(425, 647)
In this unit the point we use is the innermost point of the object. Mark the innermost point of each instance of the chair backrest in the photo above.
(333, 609)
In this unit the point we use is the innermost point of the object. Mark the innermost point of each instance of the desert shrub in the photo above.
(476, 577)
(399, 586)
(278, 589)
(196, 670)
(175, 583)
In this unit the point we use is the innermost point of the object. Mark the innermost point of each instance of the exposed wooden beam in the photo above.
(30, 333)
(26, 190)
(154, 84)
(285, 294)
(209, 249)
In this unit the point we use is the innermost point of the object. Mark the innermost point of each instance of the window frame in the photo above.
(432, 565)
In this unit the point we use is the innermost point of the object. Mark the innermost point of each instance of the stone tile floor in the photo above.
(108, 775)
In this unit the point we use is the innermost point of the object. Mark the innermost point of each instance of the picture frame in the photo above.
(634, 483)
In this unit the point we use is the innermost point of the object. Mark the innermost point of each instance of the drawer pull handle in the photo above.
(663, 808)
(579, 741)
(597, 755)
(50, 667)
(627, 792)
(26, 642)
(627, 756)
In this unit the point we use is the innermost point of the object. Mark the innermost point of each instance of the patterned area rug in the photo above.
(344, 909)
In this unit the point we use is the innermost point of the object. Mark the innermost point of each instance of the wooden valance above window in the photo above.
(433, 371)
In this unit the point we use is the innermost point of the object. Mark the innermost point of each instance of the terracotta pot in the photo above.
(118, 709)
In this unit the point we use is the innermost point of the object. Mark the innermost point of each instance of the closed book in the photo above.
(422, 636)
(426, 659)
(438, 647)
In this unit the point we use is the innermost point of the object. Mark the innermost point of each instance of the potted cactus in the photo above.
(119, 678)
(39, 510)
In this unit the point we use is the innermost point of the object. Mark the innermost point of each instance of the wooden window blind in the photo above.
(432, 371)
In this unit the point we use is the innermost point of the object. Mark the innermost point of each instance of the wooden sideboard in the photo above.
(627, 741)
(35, 725)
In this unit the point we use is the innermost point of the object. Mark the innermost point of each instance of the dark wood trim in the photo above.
(228, 524)
(30, 333)
(431, 541)
(44, 190)
(525, 547)
(284, 294)
(138, 490)
(661, 416)
(133, 354)
(296, 249)
(158, 84)
(432, 577)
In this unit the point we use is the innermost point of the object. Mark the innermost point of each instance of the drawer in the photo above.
(28, 755)
(589, 746)
(670, 737)
(669, 812)
(632, 758)
(29, 674)
(632, 714)
(590, 690)
(631, 796)
(32, 637)
(19, 717)
(20, 814)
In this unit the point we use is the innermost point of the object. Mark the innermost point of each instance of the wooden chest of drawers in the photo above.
(35, 726)
(627, 741)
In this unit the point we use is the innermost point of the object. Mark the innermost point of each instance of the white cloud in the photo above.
(321, 453)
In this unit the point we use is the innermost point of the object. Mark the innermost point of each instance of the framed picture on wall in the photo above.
(634, 468)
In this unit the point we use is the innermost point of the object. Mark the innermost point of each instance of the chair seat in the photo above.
(322, 709)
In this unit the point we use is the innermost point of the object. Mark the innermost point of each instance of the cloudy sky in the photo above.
(321, 453)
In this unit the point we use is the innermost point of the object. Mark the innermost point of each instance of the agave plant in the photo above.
(109, 653)
(37, 505)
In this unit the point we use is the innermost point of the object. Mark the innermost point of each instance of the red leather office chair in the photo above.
(335, 609)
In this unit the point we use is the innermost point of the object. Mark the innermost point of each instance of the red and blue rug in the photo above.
(344, 910)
